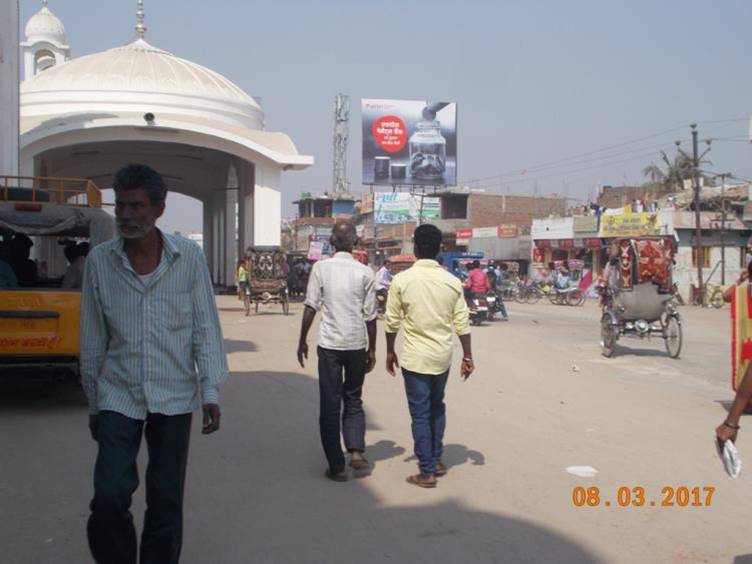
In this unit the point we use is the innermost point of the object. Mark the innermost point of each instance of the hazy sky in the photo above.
(535, 82)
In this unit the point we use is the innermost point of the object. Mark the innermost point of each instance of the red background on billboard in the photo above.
(390, 133)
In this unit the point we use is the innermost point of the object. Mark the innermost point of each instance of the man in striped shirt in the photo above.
(343, 290)
(151, 350)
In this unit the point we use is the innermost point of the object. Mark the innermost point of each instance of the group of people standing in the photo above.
(427, 303)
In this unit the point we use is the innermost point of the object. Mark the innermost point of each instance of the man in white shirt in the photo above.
(384, 277)
(343, 290)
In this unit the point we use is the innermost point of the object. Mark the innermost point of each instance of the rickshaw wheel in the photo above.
(285, 306)
(608, 336)
(672, 334)
(246, 304)
(576, 297)
(256, 306)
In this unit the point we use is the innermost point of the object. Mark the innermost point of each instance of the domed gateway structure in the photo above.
(86, 116)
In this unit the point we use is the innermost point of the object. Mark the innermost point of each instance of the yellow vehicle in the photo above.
(43, 221)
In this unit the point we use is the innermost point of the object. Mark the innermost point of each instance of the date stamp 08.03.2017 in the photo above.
(636, 496)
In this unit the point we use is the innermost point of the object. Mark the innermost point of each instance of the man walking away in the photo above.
(383, 281)
(343, 290)
(151, 349)
(429, 303)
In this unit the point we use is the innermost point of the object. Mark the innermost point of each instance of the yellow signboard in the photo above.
(629, 225)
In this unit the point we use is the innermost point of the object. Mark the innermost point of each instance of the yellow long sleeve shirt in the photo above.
(430, 304)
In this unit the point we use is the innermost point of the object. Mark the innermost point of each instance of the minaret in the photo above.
(45, 45)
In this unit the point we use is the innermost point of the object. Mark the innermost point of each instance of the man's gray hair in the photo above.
(344, 235)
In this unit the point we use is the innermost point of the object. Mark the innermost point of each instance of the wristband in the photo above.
(730, 426)
(466, 358)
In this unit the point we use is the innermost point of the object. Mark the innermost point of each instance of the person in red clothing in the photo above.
(477, 282)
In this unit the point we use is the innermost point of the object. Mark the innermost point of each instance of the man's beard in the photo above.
(133, 230)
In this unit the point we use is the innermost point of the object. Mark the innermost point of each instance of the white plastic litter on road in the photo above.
(582, 471)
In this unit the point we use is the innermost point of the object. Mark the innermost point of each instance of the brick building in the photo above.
(316, 217)
(462, 210)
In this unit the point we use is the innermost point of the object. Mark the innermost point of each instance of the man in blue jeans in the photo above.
(151, 353)
(430, 304)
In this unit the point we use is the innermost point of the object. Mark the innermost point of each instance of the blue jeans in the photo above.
(425, 398)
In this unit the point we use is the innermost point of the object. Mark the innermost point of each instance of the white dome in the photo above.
(45, 26)
(138, 78)
(138, 67)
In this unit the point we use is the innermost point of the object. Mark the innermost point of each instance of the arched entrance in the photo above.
(237, 186)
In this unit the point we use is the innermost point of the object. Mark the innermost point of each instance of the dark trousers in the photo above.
(425, 398)
(112, 535)
(336, 391)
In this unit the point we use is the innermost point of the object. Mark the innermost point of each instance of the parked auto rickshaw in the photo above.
(40, 302)
(267, 279)
(636, 295)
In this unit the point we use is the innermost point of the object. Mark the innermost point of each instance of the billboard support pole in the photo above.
(420, 213)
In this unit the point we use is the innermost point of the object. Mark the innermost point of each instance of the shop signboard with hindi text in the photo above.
(630, 225)
(485, 232)
(409, 142)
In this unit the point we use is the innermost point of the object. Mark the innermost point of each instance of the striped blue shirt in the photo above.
(150, 348)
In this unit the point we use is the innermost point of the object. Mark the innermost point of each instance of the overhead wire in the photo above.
(572, 160)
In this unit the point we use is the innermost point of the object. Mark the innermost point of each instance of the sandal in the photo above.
(359, 463)
(420, 481)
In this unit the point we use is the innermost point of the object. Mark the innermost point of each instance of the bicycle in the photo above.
(712, 296)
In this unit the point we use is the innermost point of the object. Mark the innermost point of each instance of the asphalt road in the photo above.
(541, 400)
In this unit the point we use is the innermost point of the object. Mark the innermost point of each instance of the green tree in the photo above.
(654, 173)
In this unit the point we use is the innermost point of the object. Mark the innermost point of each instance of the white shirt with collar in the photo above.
(343, 290)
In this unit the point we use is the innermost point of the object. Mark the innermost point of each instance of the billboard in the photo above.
(409, 142)
(398, 207)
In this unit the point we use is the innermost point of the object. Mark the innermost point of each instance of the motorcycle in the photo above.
(492, 304)
(495, 301)
(479, 311)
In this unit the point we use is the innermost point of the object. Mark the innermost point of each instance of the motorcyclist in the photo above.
(500, 277)
(476, 284)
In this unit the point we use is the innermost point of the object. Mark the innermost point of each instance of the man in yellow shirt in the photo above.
(430, 303)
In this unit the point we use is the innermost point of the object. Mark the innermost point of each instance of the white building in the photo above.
(85, 117)
(9, 68)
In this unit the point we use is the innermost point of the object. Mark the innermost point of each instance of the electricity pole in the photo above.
(698, 230)
(723, 228)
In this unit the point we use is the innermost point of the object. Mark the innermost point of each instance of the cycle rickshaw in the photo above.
(636, 296)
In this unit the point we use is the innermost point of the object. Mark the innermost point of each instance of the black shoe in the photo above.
(340, 476)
